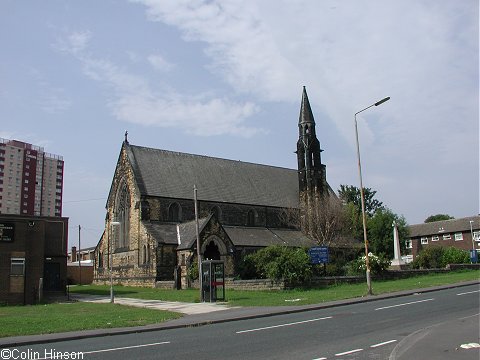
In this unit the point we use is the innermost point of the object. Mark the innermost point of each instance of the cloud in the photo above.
(134, 100)
(350, 54)
(159, 63)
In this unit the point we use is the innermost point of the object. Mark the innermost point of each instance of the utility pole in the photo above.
(197, 230)
(79, 255)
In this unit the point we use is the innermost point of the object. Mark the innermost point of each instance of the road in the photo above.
(408, 327)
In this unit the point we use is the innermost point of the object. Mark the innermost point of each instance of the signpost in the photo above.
(318, 255)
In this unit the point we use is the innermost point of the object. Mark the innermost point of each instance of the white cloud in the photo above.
(133, 100)
(350, 54)
(159, 63)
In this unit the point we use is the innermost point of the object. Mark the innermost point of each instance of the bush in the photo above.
(429, 258)
(453, 255)
(246, 268)
(192, 271)
(282, 263)
(378, 264)
(439, 257)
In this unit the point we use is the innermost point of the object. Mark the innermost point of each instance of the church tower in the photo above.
(311, 171)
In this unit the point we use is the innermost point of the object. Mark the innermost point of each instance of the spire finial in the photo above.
(126, 136)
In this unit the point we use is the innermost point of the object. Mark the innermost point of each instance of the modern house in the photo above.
(463, 233)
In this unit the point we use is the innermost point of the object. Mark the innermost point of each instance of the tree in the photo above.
(321, 217)
(380, 232)
(438, 217)
(351, 194)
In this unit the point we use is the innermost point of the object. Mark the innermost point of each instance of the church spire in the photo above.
(311, 172)
(306, 115)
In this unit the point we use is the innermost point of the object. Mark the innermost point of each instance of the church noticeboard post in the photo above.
(318, 255)
(7, 231)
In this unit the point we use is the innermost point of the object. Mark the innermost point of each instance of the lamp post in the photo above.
(362, 197)
(473, 241)
(112, 224)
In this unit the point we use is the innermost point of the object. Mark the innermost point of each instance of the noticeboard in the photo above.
(318, 255)
(7, 232)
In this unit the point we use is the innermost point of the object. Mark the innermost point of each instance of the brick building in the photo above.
(31, 180)
(150, 233)
(463, 233)
(33, 257)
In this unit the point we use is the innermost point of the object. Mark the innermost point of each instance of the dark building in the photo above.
(33, 257)
(150, 233)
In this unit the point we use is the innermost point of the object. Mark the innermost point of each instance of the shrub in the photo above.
(192, 271)
(439, 257)
(429, 258)
(453, 255)
(378, 264)
(282, 263)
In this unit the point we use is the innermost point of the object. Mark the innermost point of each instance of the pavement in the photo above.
(199, 314)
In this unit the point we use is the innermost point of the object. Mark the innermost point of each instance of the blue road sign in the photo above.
(318, 255)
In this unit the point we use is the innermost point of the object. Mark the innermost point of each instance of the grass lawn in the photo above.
(287, 297)
(62, 317)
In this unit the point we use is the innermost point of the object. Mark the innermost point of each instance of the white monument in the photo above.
(397, 261)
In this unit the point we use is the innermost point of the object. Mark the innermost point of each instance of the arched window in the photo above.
(144, 254)
(216, 211)
(100, 260)
(251, 215)
(175, 212)
(122, 215)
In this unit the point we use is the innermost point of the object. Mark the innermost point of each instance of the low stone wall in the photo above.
(257, 284)
(166, 285)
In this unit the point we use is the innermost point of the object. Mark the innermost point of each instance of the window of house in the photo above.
(435, 238)
(17, 266)
(446, 237)
(408, 244)
(424, 240)
(458, 236)
(476, 235)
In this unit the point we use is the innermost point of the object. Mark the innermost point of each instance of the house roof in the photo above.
(171, 174)
(444, 226)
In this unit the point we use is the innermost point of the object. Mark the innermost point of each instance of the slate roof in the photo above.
(444, 226)
(171, 174)
(169, 233)
(260, 237)
(239, 235)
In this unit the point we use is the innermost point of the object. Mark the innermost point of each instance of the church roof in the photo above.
(261, 236)
(171, 174)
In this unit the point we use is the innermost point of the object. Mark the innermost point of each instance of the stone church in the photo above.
(150, 229)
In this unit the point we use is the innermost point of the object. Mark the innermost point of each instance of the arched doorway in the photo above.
(211, 251)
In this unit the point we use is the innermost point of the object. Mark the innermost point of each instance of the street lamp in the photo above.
(473, 241)
(112, 224)
(362, 197)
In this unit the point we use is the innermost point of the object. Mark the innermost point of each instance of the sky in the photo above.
(224, 78)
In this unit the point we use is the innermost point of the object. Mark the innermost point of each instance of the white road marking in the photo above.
(125, 347)
(470, 346)
(283, 325)
(349, 352)
(383, 343)
(470, 292)
(404, 304)
(320, 359)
